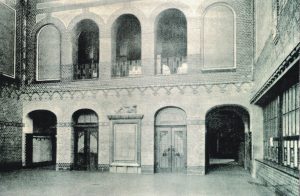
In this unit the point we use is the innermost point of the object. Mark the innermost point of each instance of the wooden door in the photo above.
(178, 149)
(170, 149)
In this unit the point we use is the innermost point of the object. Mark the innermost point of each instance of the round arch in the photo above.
(48, 21)
(87, 15)
(170, 115)
(87, 115)
(184, 8)
(228, 139)
(123, 11)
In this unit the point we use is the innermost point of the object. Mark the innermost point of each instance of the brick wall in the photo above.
(10, 129)
(105, 15)
(274, 43)
(274, 52)
(282, 183)
(11, 105)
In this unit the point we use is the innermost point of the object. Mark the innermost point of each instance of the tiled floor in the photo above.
(223, 180)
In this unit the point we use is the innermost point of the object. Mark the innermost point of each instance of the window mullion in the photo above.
(280, 129)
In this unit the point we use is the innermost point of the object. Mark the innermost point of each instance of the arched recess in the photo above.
(59, 25)
(170, 140)
(48, 59)
(228, 139)
(126, 46)
(40, 140)
(219, 37)
(171, 42)
(85, 139)
(85, 47)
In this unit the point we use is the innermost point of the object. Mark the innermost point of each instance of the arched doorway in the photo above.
(86, 140)
(40, 144)
(170, 140)
(227, 136)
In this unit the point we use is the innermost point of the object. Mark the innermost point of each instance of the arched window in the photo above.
(86, 50)
(48, 53)
(126, 46)
(171, 43)
(219, 38)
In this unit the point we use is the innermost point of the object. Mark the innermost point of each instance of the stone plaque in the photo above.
(125, 142)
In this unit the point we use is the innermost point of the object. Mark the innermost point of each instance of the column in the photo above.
(105, 54)
(64, 146)
(66, 57)
(148, 43)
(195, 147)
(193, 44)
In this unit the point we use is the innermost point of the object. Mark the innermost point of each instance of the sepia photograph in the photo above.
(149, 97)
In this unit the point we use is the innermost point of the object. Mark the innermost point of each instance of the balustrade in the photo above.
(127, 68)
(171, 65)
(86, 71)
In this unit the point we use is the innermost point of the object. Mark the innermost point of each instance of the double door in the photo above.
(170, 149)
(86, 148)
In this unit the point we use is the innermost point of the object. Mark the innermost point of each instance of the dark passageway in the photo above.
(225, 136)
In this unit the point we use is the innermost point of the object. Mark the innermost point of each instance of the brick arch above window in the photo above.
(123, 11)
(185, 9)
(87, 15)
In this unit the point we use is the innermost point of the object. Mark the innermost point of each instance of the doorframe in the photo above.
(156, 145)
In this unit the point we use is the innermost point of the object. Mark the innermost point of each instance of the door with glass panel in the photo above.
(86, 145)
(170, 149)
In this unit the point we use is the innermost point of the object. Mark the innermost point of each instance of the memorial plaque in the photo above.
(125, 144)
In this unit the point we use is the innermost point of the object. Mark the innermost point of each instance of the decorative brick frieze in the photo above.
(52, 92)
(64, 166)
(103, 167)
(10, 124)
(103, 124)
(195, 122)
(65, 124)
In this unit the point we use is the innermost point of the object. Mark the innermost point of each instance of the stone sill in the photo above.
(125, 164)
(215, 70)
(289, 171)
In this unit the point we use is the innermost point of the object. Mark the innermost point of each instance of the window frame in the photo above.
(284, 108)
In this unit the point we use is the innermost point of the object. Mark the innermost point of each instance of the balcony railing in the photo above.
(171, 65)
(86, 71)
(127, 68)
